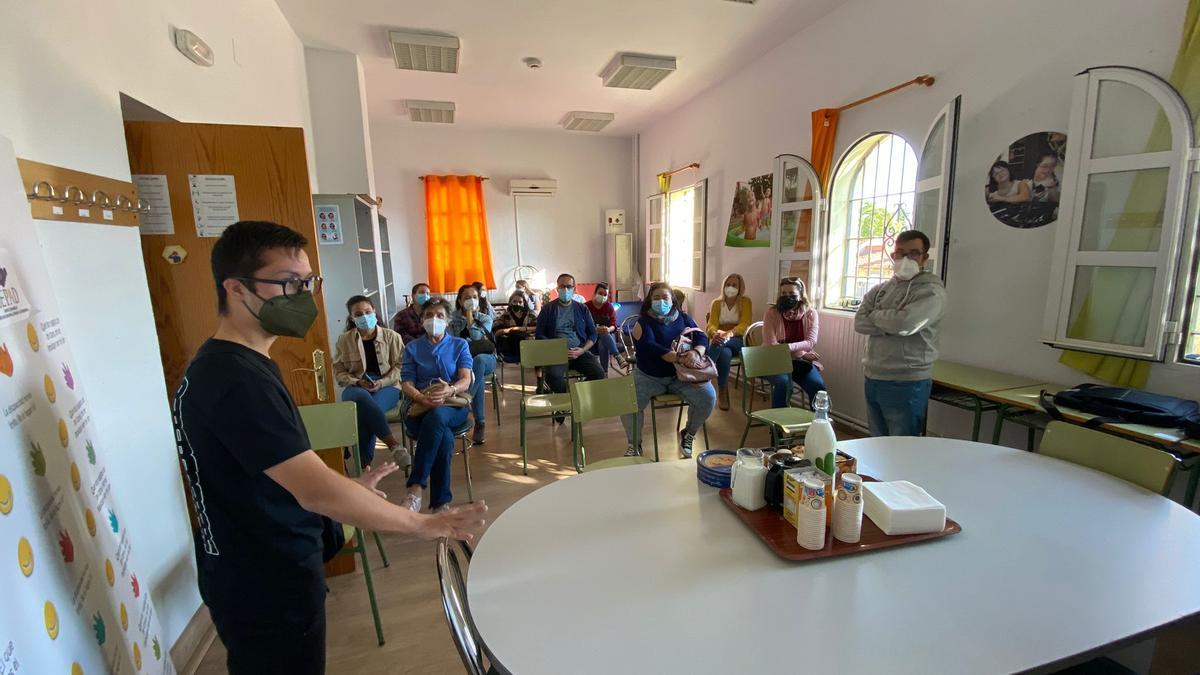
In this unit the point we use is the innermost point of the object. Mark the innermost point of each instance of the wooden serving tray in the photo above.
(779, 535)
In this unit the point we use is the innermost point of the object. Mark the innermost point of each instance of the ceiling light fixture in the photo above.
(579, 120)
(441, 112)
(424, 51)
(532, 62)
(637, 71)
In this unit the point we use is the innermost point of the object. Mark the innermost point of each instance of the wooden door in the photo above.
(270, 173)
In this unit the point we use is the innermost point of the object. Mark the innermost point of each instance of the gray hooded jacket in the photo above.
(901, 320)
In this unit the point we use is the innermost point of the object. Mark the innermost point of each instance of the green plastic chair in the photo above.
(787, 421)
(1128, 460)
(335, 425)
(601, 399)
(540, 354)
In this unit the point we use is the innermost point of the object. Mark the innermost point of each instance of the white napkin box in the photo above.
(899, 507)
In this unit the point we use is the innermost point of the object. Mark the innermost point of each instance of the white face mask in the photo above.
(600, 299)
(731, 291)
(905, 268)
(470, 304)
(435, 326)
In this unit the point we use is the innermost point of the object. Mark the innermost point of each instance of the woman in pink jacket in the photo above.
(793, 322)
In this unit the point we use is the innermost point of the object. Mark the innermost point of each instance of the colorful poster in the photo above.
(1025, 182)
(750, 215)
(329, 224)
(72, 603)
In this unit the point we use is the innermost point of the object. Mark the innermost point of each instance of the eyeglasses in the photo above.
(291, 286)
(911, 255)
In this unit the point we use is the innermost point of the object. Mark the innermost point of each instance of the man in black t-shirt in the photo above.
(258, 488)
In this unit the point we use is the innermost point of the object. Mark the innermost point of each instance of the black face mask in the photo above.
(788, 302)
(516, 309)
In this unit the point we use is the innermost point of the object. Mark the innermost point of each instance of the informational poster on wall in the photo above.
(329, 224)
(214, 203)
(72, 603)
(153, 189)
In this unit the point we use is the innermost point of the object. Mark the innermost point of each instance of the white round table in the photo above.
(642, 569)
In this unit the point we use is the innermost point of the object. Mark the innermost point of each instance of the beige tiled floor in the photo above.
(417, 639)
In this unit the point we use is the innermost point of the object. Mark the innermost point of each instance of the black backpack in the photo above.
(1115, 405)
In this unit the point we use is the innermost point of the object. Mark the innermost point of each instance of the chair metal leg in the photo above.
(577, 451)
(467, 466)
(978, 419)
(496, 395)
(379, 545)
(362, 553)
(524, 448)
(704, 430)
(1032, 435)
(745, 433)
(654, 425)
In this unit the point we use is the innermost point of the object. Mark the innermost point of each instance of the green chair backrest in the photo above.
(766, 360)
(1128, 460)
(537, 353)
(612, 397)
(331, 425)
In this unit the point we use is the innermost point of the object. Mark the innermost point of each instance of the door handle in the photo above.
(319, 373)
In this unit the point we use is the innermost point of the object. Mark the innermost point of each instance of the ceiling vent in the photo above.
(634, 71)
(441, 112)
(424, 51)
(544, 187)
(579, 120)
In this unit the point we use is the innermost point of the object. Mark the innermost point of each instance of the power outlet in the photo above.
(614, 221)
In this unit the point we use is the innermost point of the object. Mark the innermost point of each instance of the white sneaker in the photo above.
(413, 503)
(401, 457)
(631, 451)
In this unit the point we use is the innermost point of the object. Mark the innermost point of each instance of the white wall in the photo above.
(564, 233)
(341, 135)
(62, 67)
(1014, 77)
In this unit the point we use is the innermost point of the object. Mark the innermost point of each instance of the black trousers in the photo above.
(588, 365)
(293, 648)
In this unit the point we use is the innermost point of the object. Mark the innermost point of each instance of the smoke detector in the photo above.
(532, 62)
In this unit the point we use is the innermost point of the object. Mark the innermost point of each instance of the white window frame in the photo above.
(1177, 241)
(814, 283)
(658, 220)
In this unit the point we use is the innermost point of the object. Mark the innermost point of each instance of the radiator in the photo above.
(842, 352)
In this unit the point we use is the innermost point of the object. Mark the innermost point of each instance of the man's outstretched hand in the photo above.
(459, 522)
(372, 475)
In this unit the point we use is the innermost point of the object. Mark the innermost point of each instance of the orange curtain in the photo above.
(824, 132)
(456, 233)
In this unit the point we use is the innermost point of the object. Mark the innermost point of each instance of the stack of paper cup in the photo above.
(810, 515)
(848, 509)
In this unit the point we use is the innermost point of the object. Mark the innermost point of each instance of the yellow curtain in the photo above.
(664, 182)
(824, 133)
(456, 233)
(1142, 213)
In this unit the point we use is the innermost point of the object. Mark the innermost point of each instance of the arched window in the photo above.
(872, 200)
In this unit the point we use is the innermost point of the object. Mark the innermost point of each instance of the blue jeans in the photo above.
(372, 416)
(484, 365)
(722, 355)
(606, 347)
(803, 374)
(700, 401)
(434, 432)
(897, 408)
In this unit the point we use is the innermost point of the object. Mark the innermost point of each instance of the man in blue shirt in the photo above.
(568, 319)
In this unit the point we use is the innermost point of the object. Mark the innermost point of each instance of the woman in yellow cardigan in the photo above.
(727, 323)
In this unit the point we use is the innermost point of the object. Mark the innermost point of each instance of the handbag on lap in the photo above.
(692, 367)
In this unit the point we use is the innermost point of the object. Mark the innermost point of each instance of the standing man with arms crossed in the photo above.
(256, 483)
(900, 318)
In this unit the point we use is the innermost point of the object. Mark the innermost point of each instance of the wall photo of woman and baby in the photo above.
(1025, 184)
(750, 217)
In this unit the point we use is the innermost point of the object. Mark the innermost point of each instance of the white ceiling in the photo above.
(574, 38)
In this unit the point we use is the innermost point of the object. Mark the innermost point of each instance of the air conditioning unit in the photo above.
(546, 187)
